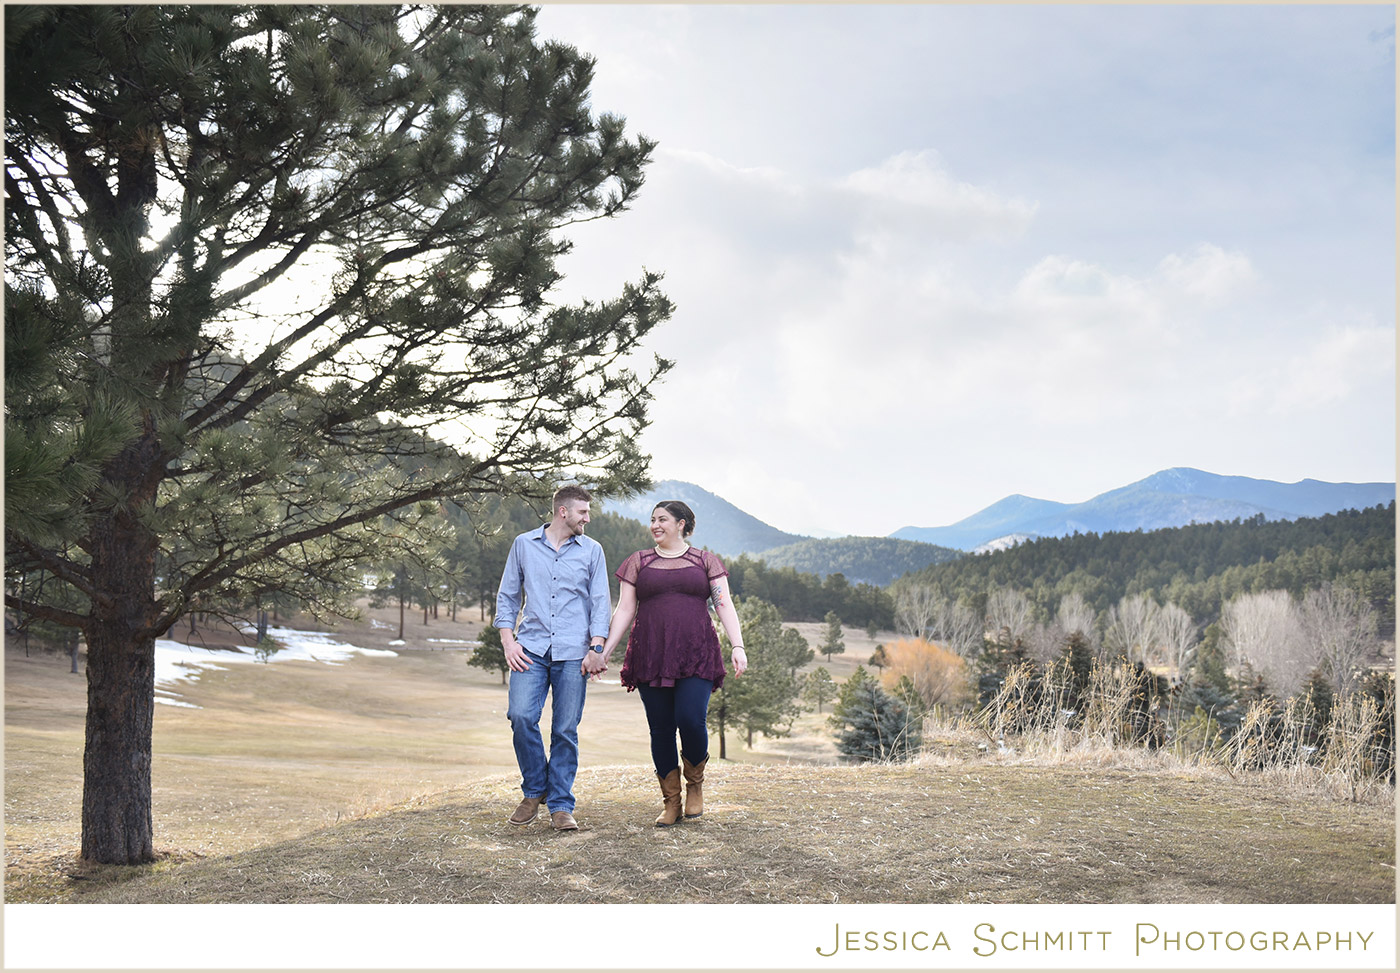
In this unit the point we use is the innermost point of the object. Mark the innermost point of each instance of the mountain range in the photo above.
(1171, 498)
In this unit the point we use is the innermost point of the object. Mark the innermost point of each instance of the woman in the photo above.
(673, 658)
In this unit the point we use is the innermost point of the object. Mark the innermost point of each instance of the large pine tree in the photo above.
(262, 263)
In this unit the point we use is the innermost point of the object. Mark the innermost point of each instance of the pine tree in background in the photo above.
(490, 654)
(1079, 655)
(834, 639)
(818, 688)
(764, 699)
(877, 727)
(846, 694)
(793, 651)
(1208, 665)
(907, 693)
(262, 263)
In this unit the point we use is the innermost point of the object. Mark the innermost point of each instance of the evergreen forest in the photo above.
(1199, 567)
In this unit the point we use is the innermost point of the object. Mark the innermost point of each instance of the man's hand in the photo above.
(515, 655)
(594, 665)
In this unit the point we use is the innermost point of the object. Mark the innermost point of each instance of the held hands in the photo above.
(740, 659)
(594, 665)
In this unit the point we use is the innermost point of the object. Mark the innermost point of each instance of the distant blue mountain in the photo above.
(719, 525)
(1004, 517)
(1171, 498)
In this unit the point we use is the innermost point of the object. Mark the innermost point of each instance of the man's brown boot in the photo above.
(694, 777)
(527, 810)
(671, 793)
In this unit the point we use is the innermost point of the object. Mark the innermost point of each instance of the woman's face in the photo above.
(665, 529)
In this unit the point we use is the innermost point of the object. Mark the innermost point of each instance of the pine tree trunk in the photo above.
(117, 828)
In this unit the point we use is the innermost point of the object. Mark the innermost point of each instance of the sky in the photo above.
(925, 257)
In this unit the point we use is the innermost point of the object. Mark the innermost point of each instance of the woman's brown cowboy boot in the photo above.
(694, 777)
(671, 793)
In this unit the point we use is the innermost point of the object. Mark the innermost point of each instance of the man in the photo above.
(559, 578)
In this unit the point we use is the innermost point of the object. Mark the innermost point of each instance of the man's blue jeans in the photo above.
(551, 777)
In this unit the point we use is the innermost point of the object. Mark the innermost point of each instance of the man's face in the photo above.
(575, 516)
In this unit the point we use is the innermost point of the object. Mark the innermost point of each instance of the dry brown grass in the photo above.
(920, 833)
(1029, 724)
(388, 780)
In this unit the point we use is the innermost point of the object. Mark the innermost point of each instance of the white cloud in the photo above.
(1208, 272)
(914, 190)
(1100, 273)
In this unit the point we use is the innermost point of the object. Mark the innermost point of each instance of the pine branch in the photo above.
(48, 613)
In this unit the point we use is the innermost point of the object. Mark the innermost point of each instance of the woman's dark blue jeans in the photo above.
(682, 708)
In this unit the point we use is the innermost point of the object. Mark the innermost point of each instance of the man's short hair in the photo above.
(568, 494)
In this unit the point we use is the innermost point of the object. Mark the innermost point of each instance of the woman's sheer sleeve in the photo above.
(627, 570)
(714, 568)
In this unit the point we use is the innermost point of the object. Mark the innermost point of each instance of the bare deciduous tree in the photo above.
(1264, 629)
(1009, 611)
(1132, 627)
(915, 605)
(924, 611)
(1046, 642)
(1076, 615)
(959, 629)
(1341, 629)
(1178, 637)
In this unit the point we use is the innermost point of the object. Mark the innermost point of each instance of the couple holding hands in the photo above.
(559, 631)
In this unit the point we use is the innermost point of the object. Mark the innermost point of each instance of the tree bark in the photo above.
(117, 828)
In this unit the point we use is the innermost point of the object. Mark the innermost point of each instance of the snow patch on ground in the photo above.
(178, 664)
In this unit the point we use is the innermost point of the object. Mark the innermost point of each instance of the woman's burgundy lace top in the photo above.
(672, 636)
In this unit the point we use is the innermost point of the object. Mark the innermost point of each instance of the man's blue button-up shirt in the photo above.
(564, 595)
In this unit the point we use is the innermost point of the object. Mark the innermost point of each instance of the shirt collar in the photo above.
(571, 539)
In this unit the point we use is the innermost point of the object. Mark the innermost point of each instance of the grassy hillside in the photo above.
(388, 780)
